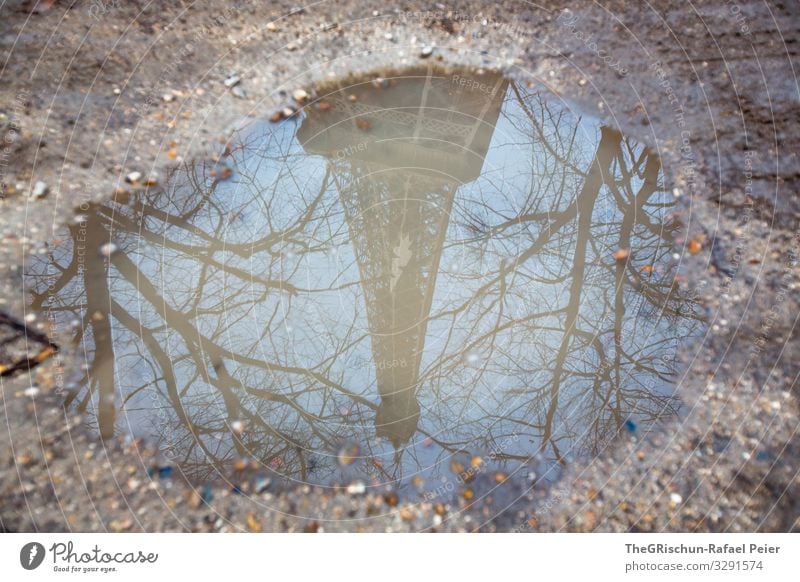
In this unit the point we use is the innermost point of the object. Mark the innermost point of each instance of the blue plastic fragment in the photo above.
(206, 494)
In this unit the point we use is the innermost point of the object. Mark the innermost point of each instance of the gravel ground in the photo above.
(712, 85)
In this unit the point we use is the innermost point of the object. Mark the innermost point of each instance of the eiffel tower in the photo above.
(398, 152)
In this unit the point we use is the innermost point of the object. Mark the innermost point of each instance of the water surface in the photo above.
(412, 278)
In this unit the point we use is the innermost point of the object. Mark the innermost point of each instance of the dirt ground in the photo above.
(712, 85)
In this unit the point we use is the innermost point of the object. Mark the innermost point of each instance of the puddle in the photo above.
(412, 281)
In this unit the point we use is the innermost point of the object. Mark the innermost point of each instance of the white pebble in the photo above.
(133, 177)
(357, 488)
(108, 249)
(232, 81)
(40, 189)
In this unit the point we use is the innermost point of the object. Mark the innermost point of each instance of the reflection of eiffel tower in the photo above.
(398, 155)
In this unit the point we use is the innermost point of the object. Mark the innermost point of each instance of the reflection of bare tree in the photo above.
(230, 322)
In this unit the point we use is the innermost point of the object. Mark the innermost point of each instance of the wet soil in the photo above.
(94, 91)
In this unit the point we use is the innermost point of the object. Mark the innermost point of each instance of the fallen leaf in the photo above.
(622, 254)
(253, 524)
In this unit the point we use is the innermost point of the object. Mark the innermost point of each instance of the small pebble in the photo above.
(261, 484)
(348, 454)
(239, 93)
(33, 392)
(272, 27)
(133, 177)
(108, 249)
(300, 95)
(426, 52)
(195, 500)
(232, 81)
(40, 190)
